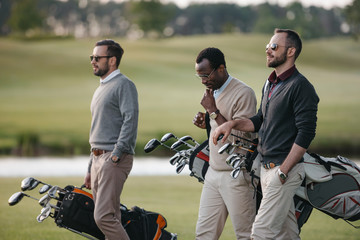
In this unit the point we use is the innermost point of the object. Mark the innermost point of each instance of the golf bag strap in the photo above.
(253, 176)
(354, 226)
(327, 165)
(207, 124)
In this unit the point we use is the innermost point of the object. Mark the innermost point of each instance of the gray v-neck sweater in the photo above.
(115, 110)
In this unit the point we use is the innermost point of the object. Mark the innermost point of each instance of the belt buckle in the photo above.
(269, 165)
(97, 152)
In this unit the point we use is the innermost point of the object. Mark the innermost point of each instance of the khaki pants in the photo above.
(222, 196)
(107, 181)
(276, 216)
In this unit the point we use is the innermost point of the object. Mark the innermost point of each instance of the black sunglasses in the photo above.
(97, 58)
(273, 46)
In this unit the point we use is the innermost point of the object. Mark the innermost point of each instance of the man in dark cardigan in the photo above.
(286, 124)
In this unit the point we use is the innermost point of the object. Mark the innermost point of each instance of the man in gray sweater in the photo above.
(113, 132)
(286, 123)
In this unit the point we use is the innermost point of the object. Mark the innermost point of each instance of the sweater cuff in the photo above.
(257, 122)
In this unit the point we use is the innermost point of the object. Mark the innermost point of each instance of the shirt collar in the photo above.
(217, 92)
(111, 76)
(282, 77)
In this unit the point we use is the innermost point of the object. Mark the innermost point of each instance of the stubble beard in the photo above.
(102, 71)
(277, 61)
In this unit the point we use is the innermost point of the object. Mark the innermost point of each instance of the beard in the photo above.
(278, 60)
(102, 71)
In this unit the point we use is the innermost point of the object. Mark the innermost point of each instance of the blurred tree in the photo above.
(312, 22)
(352, 14)
(151, 16)
(5, 7)
(269, 17)
(136, 18)
(214, 18)
(25, 16)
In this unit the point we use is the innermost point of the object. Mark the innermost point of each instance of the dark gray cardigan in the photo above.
(288, 117)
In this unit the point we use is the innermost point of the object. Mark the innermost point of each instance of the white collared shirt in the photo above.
(217, 92)
(111, 76)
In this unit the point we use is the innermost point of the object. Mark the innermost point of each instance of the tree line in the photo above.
(153, 19)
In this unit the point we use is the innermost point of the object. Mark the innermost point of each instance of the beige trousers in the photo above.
(222, 196)
(107, 181)
(276, 216)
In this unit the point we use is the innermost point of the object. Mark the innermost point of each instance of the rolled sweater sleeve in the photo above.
(305, 105)
(257, 120)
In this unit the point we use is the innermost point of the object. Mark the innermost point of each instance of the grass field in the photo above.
(46, 86)
(176, 197)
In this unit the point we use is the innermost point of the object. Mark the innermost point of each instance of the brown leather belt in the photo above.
(98, 152)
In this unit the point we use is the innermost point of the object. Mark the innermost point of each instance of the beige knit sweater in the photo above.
(235, 102)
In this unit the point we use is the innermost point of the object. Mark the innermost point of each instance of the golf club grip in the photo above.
(220, 137)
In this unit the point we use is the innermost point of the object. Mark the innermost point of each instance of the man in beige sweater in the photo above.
(225, 98)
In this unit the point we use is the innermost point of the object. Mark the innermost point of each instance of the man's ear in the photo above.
(221, 67)
(113, 61)
(291, 51)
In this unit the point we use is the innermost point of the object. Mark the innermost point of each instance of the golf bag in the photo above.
(332, 186)
(76, 214)
(199, 161)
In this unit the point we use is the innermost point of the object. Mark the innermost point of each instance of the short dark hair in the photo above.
(113, 49)
(214, 55)
(292, 40)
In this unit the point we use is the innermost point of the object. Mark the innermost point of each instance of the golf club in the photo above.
(44, 188)
(45, 213)
(27, 183)
(235, 173)
(151, 145)
(187, 138)
(224, 148)
(167, 137)
(16, 198)
(176, 145)
(183, 139)
(30, 183)
(231, 149)
(44, 200)
(230, 158)
(53, 191)
(154, 143)
(174, 159)
(180, 166)
(236, 163)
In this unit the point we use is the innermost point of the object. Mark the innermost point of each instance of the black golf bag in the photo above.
(76, 208)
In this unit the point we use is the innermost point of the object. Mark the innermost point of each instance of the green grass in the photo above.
(46, 86)
(176, 197)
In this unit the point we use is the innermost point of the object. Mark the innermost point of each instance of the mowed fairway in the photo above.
(46, 86)
(176, 197)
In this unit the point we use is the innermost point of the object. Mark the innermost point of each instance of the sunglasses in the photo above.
(97, 58)
(273, 46)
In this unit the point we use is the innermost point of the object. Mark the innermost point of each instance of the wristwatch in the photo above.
(115, 159)
(282, 175)
(214, 115)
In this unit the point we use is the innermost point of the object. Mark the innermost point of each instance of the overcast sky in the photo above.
(320, 3)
